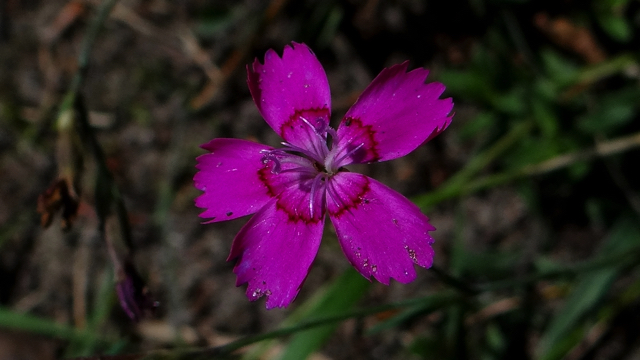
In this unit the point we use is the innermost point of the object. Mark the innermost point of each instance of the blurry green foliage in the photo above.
(611, 111)
(588, 292)
(611, 17)
(342, 295)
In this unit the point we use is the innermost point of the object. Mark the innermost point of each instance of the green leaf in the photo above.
(560, 69)
(484, 122)
(496, 339)
(470, 84)
(341, 297)
(511, 103)
(532, 150)
(545, 117)
(612, 111)
(610, 16)
(617, 27)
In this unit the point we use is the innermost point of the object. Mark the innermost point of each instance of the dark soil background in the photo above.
(165, 77)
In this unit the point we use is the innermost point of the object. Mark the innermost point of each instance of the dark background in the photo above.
(534, 188)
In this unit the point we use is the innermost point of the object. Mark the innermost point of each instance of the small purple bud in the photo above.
(134, 295)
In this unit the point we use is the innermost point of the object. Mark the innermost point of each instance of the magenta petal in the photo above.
(230, 179)
(394, 115)
(275, 250)
(381, 232)
(292, 94)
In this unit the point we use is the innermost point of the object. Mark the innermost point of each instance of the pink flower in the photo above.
(291, 189)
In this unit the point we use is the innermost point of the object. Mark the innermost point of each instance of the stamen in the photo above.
(333, 194)
(312, 195)
(301, 169)
(321, 133)
(305, 152)
(311, 125)
(349, 153)
(332, 164)
(281, 156)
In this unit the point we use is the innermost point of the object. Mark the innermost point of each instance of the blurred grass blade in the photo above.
(259, 350)
(588, 292)
(610, 67)
(582, 300)
(613, 110)
(430, 304)
(458, 181)
(12, 320)
(341, 297)
(105, 299)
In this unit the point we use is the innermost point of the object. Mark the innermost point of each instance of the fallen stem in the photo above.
(618, 259)
(602, 149)
(227, 349)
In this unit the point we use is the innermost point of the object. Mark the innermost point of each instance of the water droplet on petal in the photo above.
(289, 75)
(374, 268)
(419, 96)
(412, 254)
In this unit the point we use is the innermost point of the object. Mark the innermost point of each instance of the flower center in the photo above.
(314, 162)
(316, 150)
(293, 159)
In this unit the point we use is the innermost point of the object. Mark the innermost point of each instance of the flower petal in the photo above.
(381, 232)
(275, 250)
(230, 178)
(394, 115)
(292, 94)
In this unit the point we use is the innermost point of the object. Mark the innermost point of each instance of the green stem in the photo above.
(453, 281)
(455, 184)
(87, 44)
(615, 260)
